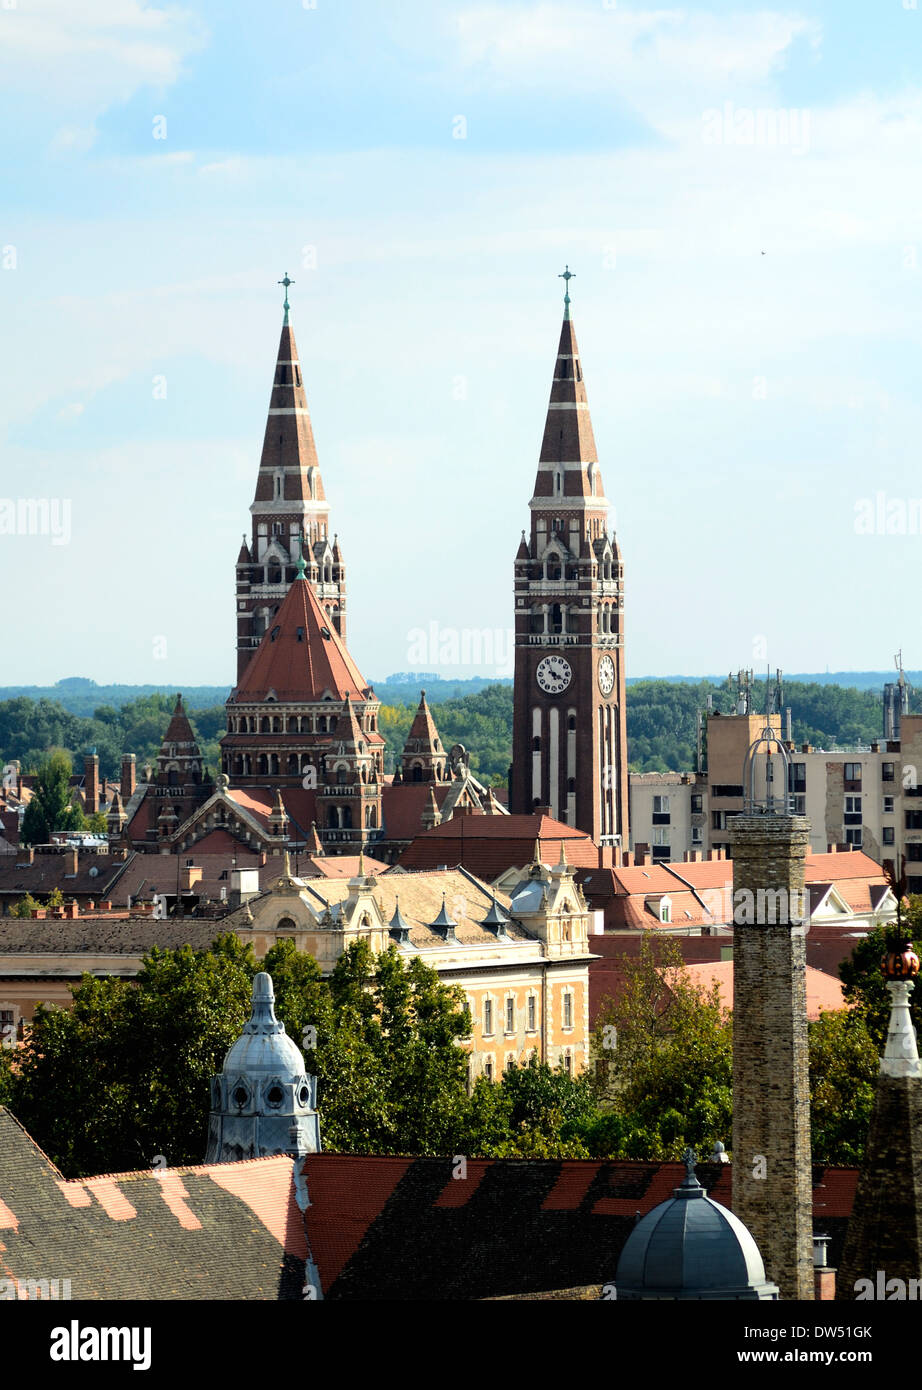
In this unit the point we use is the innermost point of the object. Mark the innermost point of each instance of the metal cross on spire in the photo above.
(286, 282)
(566, 277)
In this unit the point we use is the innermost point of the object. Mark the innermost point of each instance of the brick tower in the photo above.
(303, 716)
(569, 749)
(772, 1173)
(289, 502)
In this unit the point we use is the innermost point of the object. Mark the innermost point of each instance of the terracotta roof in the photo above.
(489, 845)
(305, 668)
(824, 993)
(849, 864)
(403, 805)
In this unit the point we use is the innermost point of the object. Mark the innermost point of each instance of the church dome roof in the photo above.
(264, 1048)
(691, 1247)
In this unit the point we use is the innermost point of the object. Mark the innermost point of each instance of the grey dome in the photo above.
(264, 1048)
(262, 1101)
(691, 1247)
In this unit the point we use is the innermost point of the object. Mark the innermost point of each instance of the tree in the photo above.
(50, 807)
(844, 1067)
(664, 1062)
(862, 980)
(122, 1077)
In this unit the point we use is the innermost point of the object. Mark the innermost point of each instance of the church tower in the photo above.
(289, 503)
(569, 734)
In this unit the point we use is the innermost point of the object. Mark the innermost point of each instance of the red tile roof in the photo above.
(489, 845)
(301, 669)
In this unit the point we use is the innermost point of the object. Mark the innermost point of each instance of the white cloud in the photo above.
(648, 57)
(83, 58)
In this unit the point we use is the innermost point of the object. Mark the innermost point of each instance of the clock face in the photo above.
(606, 675)
(554, 674)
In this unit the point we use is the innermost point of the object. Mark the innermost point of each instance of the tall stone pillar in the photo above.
(772, 1168)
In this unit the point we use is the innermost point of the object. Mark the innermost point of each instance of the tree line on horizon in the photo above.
(661, 725)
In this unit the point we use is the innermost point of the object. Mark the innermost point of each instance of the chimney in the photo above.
(71, 861)
(824, 1278)
(189, 876)
(71, 910)
(91, 783)
(105, 905)
(806, 748)
(129, 777)
(627, 859)
(262, 858)
(607, 857)
(641, 855)
(90, 906)
(39, 914)
(26, 856)
(693, 856)
(57, 911)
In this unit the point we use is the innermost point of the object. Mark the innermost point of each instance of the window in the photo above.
(798, 777)
(697, 803)
(661, 806)
(661, 836)
(853, 837)
(510, 1062)
(888, 805)
(853, 772)
(532, 1011)
(510, 1015)
(887, 772)
(718, 820)
(888, 835)
(488, 1069)
(568, 1064)
(488, 1016)
(913, 820)
(852, 810)
(726, 789)
(914, 853)
(665, 911)
(568, 1010)
(697, 838)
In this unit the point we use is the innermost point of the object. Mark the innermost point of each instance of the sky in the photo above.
(736, 189)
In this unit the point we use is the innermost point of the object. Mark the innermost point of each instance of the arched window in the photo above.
(347, 818)
(342, 776)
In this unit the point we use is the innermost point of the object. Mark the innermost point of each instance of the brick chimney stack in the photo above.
(129, 777)
(91, 783)
(772, 1170)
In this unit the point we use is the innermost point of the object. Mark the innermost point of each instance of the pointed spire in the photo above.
(496, 920)
(444, 925)
(424, 758)
(314, 842)
(566, 277)
(398, 926)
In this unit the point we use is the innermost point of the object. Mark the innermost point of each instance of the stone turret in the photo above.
(262, 1101)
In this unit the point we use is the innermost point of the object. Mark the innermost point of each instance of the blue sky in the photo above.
(163, 166)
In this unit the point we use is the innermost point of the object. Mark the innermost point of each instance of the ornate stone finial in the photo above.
(287, 864)
(362, 862)
(286, 306)
(690, 1186)
(222, 782)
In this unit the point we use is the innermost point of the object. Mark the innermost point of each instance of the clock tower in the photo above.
(569, 737)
